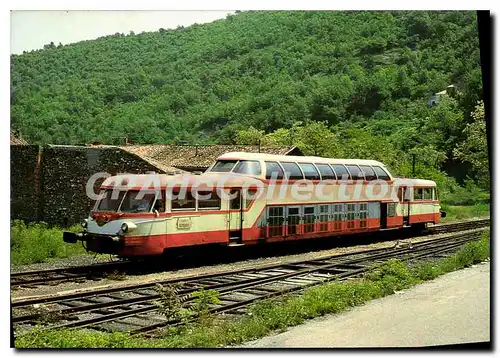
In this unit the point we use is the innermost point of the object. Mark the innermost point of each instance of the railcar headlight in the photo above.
(127, 227)
(84, 223)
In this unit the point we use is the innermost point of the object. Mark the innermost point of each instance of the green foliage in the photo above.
(267, 69)
(392, 276)
(335, 83)
(72, 339)
(474, 148)
(274, 314)
(470, 194)
(203, 301)
(171, 301)
(195, 306)
(36, 242)
(454, 213)
(471, 253)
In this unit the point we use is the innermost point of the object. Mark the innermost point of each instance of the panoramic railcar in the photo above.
(249, 198)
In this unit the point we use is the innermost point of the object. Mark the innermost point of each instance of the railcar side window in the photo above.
(363, 215)
(110, 202)
(338, 213)
(137, 202)
(381, 173)
(391, 209)
(310, 171)
(208, 200)
(273, 171)
(235, 201)
(249, 196)
(341, 171)
(183, 201)
(223, 166)
(418, 194)
(368, 171)
(408, 194)
(326, 172)
(434, 194)
(427, 194)
(251, 167)
(159, 204)
(356, 173)
(292, 171)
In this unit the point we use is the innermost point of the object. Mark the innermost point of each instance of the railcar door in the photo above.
(404, 200)
(383, 215)
(235, 220)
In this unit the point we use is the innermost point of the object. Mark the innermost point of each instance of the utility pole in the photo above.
(413, 164)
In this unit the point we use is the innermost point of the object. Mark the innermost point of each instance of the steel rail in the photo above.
(319, 265)
(351, 273)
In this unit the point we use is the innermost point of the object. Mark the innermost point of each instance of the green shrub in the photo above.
(428, 271)
(37, 242)
(465, 212)
(73, 339)
(470, 194)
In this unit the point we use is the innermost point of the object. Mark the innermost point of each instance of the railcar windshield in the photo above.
(132, 201)
(110, 201)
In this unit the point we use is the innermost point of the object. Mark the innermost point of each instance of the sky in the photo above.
(30, 30)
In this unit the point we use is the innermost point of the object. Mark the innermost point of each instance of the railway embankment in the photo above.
(452, 309)
(39, 279)
(279, 313)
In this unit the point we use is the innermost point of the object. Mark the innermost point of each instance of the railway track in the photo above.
(460, 226)
(56, 276)
(132, 309)
(33, 279)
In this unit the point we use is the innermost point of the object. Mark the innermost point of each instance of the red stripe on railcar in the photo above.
(155, 244)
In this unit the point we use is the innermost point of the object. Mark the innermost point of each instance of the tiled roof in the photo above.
(16, 140)
(192, 157)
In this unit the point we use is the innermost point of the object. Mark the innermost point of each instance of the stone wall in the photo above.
(64, 172)
(23, 182)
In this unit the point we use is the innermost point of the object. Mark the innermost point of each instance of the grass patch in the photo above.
(275, 314)
(36, 242)
(462, 212)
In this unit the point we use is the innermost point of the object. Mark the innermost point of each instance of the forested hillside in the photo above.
(353, 84)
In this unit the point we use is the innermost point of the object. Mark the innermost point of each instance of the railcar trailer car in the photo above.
(250, 198)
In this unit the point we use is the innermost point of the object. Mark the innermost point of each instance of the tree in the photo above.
(334, 83)
(249, 136)
(474, 149)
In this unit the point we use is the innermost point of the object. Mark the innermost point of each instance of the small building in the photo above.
(449, 91)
